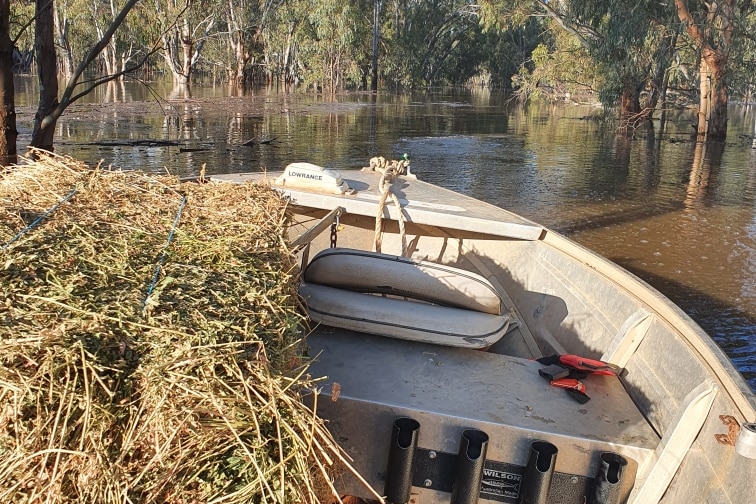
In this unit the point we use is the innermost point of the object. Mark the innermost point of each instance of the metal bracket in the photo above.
(435, 470)
(320, 226)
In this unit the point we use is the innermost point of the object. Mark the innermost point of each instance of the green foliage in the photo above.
(506, 14)
(614, 48)
(21, 31)
(559, 67)
(743, 65)
(331, 25)
(507, 53)
(431, 43)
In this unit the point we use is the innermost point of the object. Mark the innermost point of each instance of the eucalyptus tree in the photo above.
(79, 24)
(741, 82)
(124, 46)
(184, 26)
(7, 90)
(62, 22)
(715, 28)
(620, 36)
(633, 44)
(281, 44)
(429, 42)
(507, 53)
(450, 27)
(47, 71)
(556, 68)
(241, 42)
(332, 41)
(22, 34)
(50, 106)
(243, 29)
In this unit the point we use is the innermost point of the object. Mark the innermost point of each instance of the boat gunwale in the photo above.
(707, 351)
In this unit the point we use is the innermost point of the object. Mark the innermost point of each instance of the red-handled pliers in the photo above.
(574, 387)
(582, 364)
(589, 365)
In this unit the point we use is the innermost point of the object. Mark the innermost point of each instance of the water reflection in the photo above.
(676, 213)
(695, 193)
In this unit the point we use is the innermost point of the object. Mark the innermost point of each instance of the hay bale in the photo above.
(149, 342)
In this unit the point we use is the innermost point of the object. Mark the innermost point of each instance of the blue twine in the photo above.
(162, 257)
(39, 219)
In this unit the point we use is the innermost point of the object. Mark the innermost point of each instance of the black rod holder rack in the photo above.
(400, 460)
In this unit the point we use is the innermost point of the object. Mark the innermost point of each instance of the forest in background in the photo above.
(636, 57)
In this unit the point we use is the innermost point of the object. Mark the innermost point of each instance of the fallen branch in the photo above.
(263, 141)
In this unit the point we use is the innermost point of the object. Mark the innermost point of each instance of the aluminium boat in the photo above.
(471, 355)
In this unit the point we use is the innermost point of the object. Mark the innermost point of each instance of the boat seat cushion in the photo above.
(402, 298)
(376, 273)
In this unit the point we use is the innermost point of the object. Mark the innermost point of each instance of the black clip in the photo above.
(554, 372)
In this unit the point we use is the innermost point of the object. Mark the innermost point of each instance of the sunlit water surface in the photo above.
(680, 215)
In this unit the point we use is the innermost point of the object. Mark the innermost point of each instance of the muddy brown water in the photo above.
(679, 214)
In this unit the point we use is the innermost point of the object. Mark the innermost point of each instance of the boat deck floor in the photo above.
(371, 380)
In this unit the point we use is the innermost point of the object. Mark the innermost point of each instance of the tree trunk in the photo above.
(8, 133)
(629, 99)
(662, 60)
(108, 55)
(44, 121)
(714, 106)
(289, 56)
(376, 28)
(187, 44)
(712, 113)
(241, 57)
(49, 108)
(171, 55)
(61, 30)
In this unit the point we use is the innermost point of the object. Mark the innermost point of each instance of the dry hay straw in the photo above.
(138, 368)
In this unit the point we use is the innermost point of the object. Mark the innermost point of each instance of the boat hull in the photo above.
(687, 406)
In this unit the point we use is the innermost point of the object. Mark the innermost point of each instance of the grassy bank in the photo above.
(149, 343)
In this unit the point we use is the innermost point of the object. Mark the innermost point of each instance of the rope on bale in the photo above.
(163, 255)
(38, 220)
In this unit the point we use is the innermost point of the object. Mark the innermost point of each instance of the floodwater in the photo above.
(678, 214)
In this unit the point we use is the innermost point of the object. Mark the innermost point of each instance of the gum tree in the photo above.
(7, 91)
(619, 36)
(713, 27)
(50, 108)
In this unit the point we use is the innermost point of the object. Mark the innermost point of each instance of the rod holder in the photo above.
(608, 485)
(536, 481)
(469, 468)
(745, 445)
(400, 460)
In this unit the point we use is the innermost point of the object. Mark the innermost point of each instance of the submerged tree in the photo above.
(47, 71)
(7, 91)
(618, 36)
(184, 27)
(713, 26)
(431, 43)
(50, 108)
